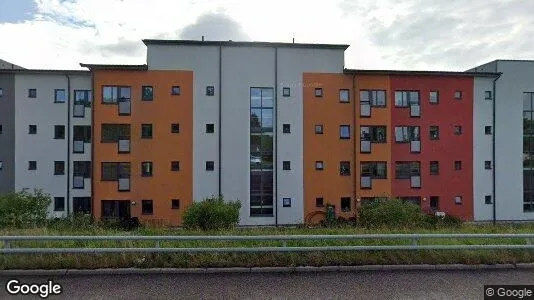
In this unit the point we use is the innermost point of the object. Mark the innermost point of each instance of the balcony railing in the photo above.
(78, 110)
(78, 182)
(365, 110)
(78, 147)
(415, 111)
(415, 181)
(124, 107)
(415, 146)
(365, 182)
(124, 146)
(124, 184)
(365, 146)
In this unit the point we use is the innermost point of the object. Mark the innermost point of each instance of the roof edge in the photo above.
(42, 71)
(419, 73)
(114, 67)
(243, 44)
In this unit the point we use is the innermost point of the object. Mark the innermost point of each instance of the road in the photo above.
(429, 284)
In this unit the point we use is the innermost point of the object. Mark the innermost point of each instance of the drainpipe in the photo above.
(276, 134)
(355, 137)
(220, 119)
(68, 143)
(493, 148)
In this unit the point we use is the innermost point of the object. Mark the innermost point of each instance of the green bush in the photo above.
(390, 213)
(212, 214)
(75, 221)
(23, 209)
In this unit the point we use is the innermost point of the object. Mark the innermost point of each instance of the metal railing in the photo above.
(413, 242)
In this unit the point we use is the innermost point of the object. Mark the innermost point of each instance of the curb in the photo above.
(244, 270)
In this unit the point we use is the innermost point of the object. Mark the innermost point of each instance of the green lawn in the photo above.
(87, 261)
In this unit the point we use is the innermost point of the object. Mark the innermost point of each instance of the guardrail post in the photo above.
(529, 241)
(414, 241)
(6, 245)
(157, 244)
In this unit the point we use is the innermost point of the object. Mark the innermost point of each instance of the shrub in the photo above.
(212, 214)
(23, 209)
(390, 213)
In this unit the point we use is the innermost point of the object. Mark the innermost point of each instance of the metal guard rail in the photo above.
(414, 238)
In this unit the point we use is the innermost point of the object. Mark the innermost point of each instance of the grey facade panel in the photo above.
(7, 137)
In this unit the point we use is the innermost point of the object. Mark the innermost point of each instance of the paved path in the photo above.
(422, 284)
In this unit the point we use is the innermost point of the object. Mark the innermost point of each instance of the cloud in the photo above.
(214, 26)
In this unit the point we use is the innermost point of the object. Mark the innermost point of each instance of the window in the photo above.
(112, 171)
(344, 96)
(434, 97)
(286, 165)
(175, 203)
(81, 205)
(59, 132)
(59, 203)
(457, 130)
(434, 167)
(32, 129)
(458, 200)
(487, 130)
(458, 165)
(210, 165)
(319, 165)
(146, 169)
(32, 93)
(528, 153)
(434, 133)
(345, 204)
(319, 202)
(175, 128)
(175, 90)
(1, 165)
(406, 134)
(82, 168)
(1, 92)
(286, 202)
(175, 166)
(487, 199)
(318, 92)
(487, 164)
(82, 133)
(344, 168)
(374, 98)
(406, 98)
(374, 169)
(344, 132)
(458, 95)
(488, 95)
(286, 128)
(210, 128)
(286, 92)
(407, 169)
(319, 129)
(112, 133)
(60, 96)
(434, 203)
(113, 94)
(1, 129)
(146, 131)
(82, 97)
(59, 168)
(210, 90)
(374, 134)
(147, 93)
(147, 206)
(32, 165)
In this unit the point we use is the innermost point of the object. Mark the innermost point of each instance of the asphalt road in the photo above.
(338, 285)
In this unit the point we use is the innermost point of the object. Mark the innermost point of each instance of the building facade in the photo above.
(283, 128)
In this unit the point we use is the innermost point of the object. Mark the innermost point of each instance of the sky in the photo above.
(453, 35)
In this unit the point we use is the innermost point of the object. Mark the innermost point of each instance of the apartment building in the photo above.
(45, 136)
(283, 128)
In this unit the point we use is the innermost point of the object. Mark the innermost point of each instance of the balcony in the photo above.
(415, 111)
(365, 110)
(78, 110)
(124, 108)
(365, 146)
(415, 182)
(124, 184)
(415, 146)
(365, 182)
(124, 146)
(78, 147)
(78, 182)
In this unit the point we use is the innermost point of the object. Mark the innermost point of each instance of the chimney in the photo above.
(293, 40)
(202, 38)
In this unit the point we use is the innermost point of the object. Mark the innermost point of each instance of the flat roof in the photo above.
(115, 67)
(243, 44)
(42, 71)
(419, 73)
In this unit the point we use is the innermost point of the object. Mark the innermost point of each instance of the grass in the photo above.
(92, 261)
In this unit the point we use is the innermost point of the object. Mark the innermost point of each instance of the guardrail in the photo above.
(414, 239)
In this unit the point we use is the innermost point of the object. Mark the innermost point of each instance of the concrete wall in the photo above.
(482, 149)
(7, 138)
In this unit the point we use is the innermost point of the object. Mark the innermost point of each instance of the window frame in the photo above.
(150, 129)
(175, 127)
(149, 209)
(30, 127)
(319, 126)
(430, 97)
(372, 98)
(373, 169)
(486, 198)
(59, 207)
(56, 136)
(458, 130)
(210, 128)
(408, 134)
(150, 166)
(488, 95)
(210, 90)
(319, 202)
(318, 92)
(341, 136)
(32, 165)
(286, 128)
(284, 90)
(374, 133)
(410, 166)
(115, 131)
(87, 98)
(175, 203)
(488, 165)
(458, 165)
(345, 208)
(319, 165)
(176, 90)
(458, 200)
(32, 93)
(286, 165)
(408, 94)
(345, 168)
(433, 171)
(59, 167)
(210, 165)
(56, 94)
(436, 137)
(342, 92)
(286, 202)
(458, 95)
(118, 94)
(488, 130)
(144, 97)
(175, 166)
